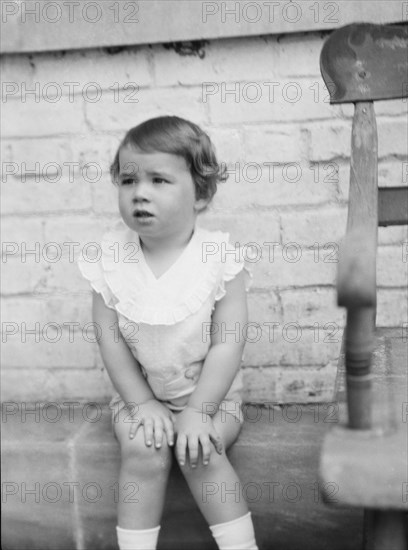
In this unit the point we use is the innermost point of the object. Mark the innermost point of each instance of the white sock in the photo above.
(237, 534)
(137, 539)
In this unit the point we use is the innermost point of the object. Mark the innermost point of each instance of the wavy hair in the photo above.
(177, 136)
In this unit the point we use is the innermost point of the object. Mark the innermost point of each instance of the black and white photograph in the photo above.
(204, 274)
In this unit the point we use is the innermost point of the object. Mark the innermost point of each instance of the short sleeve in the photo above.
(235, 259)
(92, 271)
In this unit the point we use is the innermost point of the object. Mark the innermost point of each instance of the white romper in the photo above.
(166, 321)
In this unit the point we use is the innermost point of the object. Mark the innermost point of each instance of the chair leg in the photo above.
(385, 530)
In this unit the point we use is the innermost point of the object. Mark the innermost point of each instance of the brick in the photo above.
(260, 384)
(244, 228)
(290, 385)
(57, 159)
(393, 107)
(53, 266)
(285, 266)
(393, 235)
(40, 156)
(105, 198)
(300, 56)
(392, 137)
(44, 354)
(37, 119)
(55, 385)
(329, 140)
(263, 185)
(33, 197)
(58, 307)
(227, 142)
(289, 344)
(258, 58)
(310, 226)
(309, 306)
(75, 229)
(64, 275)
(71, 67)
(392, 270)
(19, 309)
(242, 102)
(96, 148)
(347, 111)
(303, 346)
(273, 270)
(306, 385)
(105, 115)
(20, 230)
(393, 173)
(391, 307)
(263, 308)
(83, 384)
(278, 143)
(17, 278)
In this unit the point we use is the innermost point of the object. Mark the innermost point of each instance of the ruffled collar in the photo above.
(179, 292)
(185, 254)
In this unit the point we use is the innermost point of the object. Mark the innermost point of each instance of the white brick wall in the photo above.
(278, 114)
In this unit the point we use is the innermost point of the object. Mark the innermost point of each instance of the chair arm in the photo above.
(356, 280)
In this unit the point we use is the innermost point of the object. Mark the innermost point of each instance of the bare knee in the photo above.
(138, 458)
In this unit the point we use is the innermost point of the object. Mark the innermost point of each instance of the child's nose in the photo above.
(141, 191)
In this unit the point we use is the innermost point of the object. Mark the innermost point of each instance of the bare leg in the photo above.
(216, 488)
(143, 478)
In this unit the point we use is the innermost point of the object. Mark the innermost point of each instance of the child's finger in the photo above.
(181, 449)
(206, 449)
(169, 429)
(135, 425)
(193, 450)
(217, 442)
(148, 430)
(158, 433)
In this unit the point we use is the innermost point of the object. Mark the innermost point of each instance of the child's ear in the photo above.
(200, 204)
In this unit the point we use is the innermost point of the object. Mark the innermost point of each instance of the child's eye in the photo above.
(159, 180)
(127, 181)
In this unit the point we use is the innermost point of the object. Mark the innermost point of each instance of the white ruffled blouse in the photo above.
(166, 320)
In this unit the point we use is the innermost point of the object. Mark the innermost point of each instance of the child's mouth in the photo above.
(142, 214)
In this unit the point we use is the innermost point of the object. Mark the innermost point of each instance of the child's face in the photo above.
(156, 193)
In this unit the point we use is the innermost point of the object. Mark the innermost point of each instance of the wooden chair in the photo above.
(364, 457)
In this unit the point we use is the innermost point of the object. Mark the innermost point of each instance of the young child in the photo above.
(178, 294)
